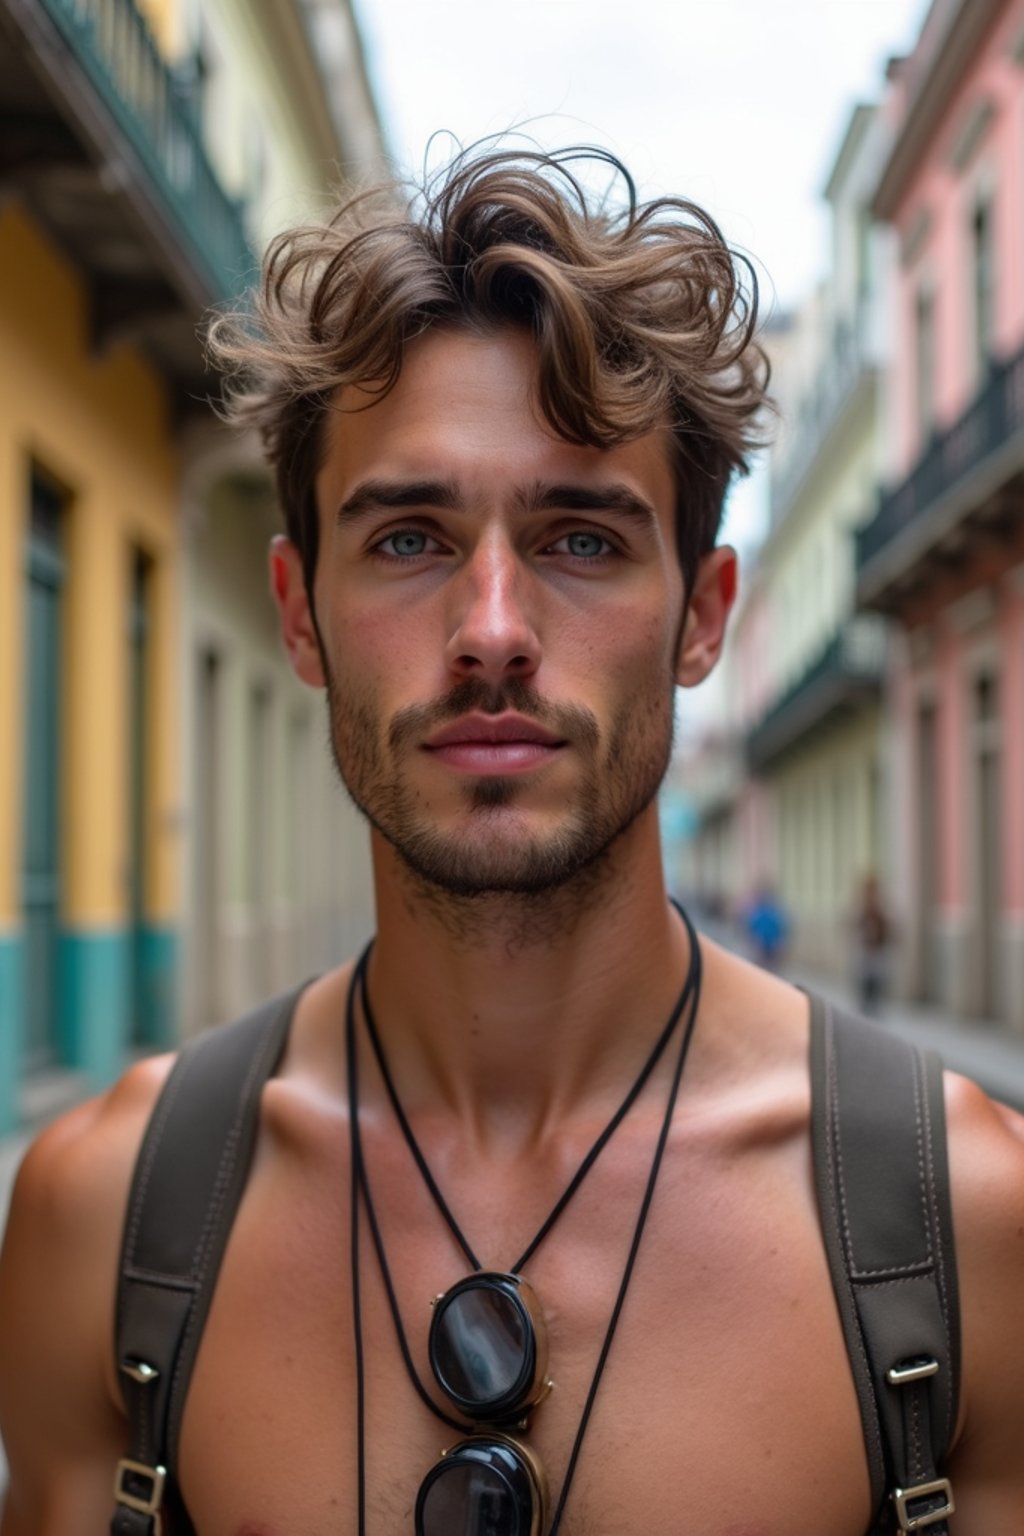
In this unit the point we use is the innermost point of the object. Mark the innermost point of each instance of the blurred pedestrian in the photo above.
(767, 926)
(872, 936)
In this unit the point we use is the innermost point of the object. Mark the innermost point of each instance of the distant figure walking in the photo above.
(872, 937)
(767, 926)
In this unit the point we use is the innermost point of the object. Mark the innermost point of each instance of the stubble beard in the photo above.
(493, 854)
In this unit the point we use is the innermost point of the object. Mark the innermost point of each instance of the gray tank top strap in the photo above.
(881, 1170)
(189, 1178)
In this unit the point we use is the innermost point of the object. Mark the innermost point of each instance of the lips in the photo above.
(494, 744)
(492, 730)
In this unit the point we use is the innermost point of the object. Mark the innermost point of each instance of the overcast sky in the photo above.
(740, 104)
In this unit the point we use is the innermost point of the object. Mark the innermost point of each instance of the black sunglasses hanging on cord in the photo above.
(488, 1343)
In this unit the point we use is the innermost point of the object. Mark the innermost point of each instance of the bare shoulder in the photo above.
(59, 1411)
(758, 1023)
(986, 1142)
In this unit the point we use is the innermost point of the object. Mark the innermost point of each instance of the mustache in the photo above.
(569, 721)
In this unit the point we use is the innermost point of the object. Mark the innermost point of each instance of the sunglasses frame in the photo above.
(532, 1384)
(456, 1456)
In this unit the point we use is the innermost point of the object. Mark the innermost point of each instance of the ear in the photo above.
(298, 631)
(712, 597)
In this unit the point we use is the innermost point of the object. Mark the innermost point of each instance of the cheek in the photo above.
(633, 647)
(376, 647)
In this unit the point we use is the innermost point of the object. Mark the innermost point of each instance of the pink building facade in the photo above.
(944, 556)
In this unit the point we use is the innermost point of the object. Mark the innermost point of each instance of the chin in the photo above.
(497, 853)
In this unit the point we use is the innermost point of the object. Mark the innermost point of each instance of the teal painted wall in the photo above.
(94, 995)
(12, 1023)
(157, 969)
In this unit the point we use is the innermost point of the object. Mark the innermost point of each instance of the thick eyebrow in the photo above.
(377, 495)
(387, 495)
(572, 497)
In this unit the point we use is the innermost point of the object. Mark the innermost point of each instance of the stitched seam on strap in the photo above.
(880, 1285)
(837, 1198)
(937, 1248)
(916, 1466)
(919, 1141)
(158, 1279)
(899, 1271)
(834, 1142)
(145, 1173)
(227, 1163)
(140, 1422)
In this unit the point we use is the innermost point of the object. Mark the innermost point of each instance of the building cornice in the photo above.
(929, 97)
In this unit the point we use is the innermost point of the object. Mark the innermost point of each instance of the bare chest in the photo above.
(726, 1407)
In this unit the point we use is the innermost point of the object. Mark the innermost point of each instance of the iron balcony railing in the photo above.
(848, 670)
(995, 415)
(114, 47)
(849, 364)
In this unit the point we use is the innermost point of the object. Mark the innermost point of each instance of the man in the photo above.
(503, 431)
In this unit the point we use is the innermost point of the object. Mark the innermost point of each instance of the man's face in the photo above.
(499, 613)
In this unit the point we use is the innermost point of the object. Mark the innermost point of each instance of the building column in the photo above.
(163, 816)
(1012, 740)
(12, 620)
(94, 946)
(900, 768)
(951, 830)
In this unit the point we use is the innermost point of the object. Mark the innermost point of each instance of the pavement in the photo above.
(990, 1056)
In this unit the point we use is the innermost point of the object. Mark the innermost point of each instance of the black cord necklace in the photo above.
(471, 1409)
(492, 1466)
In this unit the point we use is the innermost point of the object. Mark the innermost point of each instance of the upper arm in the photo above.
(60, 1416)
(987, 1165)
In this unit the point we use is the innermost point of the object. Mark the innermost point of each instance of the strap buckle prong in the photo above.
(912, 1370)
(146, 1501)
(140, 1371)
(904, 1497)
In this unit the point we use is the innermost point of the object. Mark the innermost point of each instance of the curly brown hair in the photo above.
(641, 318)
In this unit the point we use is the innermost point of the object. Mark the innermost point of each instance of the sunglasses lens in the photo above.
(482, 1348)
(479, 1489)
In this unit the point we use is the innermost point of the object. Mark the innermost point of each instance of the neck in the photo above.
(516, 1013)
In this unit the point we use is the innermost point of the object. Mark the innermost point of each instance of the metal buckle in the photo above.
(903, 1497)
(140, 1371)
(912, 1370)
(148, 1505)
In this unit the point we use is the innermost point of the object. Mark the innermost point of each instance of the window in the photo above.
(983, 269)
(924, 343)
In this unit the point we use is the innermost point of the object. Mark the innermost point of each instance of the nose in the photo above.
(492, 635)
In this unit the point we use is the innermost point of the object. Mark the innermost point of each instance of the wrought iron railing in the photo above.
(849, 362)
(994, 416)
(114, 47)
(849, 666)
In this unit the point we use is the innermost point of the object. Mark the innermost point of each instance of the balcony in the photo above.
(842, 678)
(100, 142)
(843, 387)
(965, 480)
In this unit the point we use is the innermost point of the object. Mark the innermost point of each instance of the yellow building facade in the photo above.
(88, 602)
(156, 144)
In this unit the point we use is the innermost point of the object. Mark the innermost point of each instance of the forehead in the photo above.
(465, 408)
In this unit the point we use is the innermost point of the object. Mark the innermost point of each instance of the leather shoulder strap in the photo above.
(881, 1169)
(189, 1178)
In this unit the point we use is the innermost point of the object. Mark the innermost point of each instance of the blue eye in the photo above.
(407, 542)
(584, 546)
